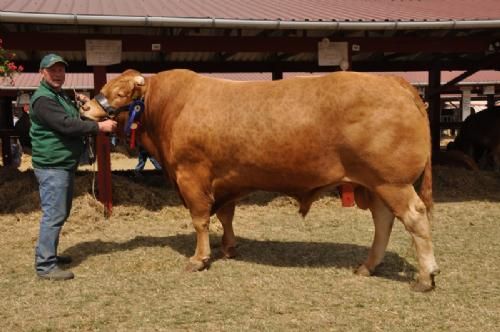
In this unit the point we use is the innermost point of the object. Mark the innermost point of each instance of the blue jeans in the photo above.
(143, 157)
(56, 196)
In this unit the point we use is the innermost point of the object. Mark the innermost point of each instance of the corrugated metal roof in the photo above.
(348, 18)
(312, 10)
(85, 81)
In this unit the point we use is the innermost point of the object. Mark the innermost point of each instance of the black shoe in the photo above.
(56, 274)
(63, 260)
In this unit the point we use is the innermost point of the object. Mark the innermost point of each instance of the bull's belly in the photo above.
(309, 170)
(284, 180)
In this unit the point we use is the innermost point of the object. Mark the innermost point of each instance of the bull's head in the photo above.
(114, 96)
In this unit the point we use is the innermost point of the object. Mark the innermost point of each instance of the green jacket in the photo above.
(56, 129)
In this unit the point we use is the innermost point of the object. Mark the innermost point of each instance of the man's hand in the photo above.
(107, 126)
(81, 97)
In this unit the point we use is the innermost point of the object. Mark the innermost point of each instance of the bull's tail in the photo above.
(426, 187)
(426, 184)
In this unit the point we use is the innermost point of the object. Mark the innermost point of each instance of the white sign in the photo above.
(489, 90)
(333, 54)
(22, 99)
(466, 94)
(100, 52)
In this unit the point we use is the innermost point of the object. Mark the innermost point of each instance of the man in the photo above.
(143, 157)
(57, 134)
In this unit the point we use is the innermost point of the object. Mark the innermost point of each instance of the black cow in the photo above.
(479, 138)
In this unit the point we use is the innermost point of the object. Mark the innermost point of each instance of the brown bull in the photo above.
(219, 140)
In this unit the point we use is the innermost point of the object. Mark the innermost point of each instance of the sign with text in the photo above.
(333, 54)
(100, 52)
(489, 90)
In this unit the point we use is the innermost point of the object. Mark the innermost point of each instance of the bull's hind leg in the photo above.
(495, 153)
(383, 219)
(199, 204)
(409, 208)
(225, 215)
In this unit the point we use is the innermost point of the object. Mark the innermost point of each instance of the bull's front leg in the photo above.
(201, 258)
(199, 203)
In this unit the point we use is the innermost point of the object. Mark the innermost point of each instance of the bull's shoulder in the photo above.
(189, 76)
(177, 73)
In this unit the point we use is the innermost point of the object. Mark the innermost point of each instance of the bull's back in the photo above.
(303, 124)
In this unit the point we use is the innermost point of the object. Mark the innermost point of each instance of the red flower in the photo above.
(8, 68)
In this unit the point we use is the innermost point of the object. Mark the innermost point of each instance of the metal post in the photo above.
(465, 103)
(490, 100)
(277, 75)
(435, 107)
(6, 129)
(103, 153)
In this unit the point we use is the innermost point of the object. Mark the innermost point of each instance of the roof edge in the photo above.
(159, 21)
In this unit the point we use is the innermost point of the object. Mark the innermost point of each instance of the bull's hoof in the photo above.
(362, 270)
(422, 287)
(425, 285)
(196, 265)
(229, 253)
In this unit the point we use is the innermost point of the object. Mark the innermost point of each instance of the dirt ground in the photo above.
(291, 274)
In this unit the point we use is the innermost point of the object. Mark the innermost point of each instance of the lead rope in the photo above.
(90, 144)
(94, 171)
(91, 151)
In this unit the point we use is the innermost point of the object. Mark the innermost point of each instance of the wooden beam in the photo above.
(5, 136)
(434, 101)
(277, 75)
(8, 93)
(490, 101)
(6, 129)
(27, 41)
(486, 62)
(266, 66)
(457, 79)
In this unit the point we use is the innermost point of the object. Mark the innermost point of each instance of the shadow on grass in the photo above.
(272, 253)
(152, 191)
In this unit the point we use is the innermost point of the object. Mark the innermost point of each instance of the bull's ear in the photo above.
(139, 80)
(139, 86)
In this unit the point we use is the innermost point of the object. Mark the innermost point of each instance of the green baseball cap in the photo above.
(50, 59)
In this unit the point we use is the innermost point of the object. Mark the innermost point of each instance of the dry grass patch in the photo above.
(292, 274)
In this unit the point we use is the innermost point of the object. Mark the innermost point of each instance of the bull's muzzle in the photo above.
(104, 104)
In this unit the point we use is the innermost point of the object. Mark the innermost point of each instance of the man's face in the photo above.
(55, 75)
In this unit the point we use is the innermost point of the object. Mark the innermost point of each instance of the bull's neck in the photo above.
(145, 88)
